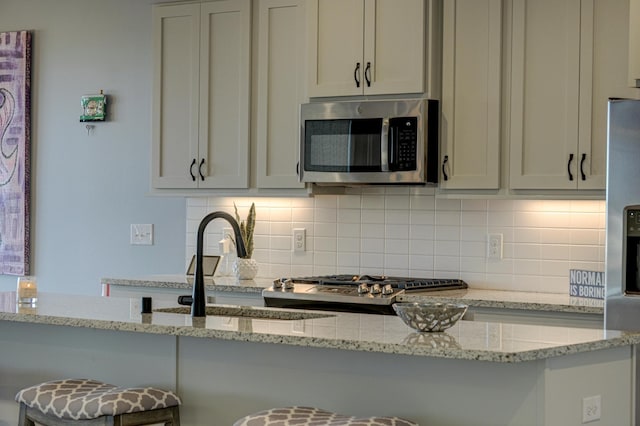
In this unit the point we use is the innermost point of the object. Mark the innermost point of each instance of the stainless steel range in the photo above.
(349, 293)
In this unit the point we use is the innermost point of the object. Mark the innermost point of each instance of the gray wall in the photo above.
(88, 189)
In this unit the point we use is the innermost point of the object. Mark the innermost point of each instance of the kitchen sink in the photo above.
(247, 312)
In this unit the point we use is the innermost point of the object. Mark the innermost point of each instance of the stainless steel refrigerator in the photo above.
(622, 302)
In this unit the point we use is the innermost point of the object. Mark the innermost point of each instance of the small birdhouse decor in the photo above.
(94, 107)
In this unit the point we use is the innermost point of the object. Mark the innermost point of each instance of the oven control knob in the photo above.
(277, 284)
(287, 284)
(387, 289)
(376, 289)
(363, 288)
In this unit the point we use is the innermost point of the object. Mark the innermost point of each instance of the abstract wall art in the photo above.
(15, 147)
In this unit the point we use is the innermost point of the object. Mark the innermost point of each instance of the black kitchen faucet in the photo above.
(198, 301)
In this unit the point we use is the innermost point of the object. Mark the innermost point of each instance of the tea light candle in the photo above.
(27, 290)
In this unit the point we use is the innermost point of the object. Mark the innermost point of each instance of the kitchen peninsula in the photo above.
(249, 358)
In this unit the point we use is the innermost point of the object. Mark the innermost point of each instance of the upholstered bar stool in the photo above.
(83, 402)
(308, 416)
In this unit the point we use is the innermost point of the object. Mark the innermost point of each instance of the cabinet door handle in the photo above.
(356, 74)
(298, 168)
(569, 166)
(367, 74)
(584, 157)
(444, 166)
(200, 169)
(193, 163)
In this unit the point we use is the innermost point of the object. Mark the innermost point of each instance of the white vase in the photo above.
(245, 269)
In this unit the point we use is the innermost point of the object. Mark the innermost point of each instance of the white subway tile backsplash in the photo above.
(396, 231)
(422, 202)
(421, 247)
(325, 244)
(422, 217)
(410, 231)
(371, 260)
(372, 216)
(349, 201)
(444, 204)
(393, 246)
(447, 233)
(398, 262)
(447, 218)
(396, 202)
(325, 202)
(372, 245)
(348, 245)
(321, 229)
(371, 201)
(373, 230)
(396, 217)
(421, 232)
(349, 216)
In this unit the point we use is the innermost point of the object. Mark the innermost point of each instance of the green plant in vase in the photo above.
(246, 228)
(246, 268)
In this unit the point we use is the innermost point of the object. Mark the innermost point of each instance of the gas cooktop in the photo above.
(350, 293)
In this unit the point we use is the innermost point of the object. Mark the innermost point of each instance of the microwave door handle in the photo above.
(386, 144)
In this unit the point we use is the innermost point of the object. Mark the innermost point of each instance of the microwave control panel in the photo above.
(403, 143)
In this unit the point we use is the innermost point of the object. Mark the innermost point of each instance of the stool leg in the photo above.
(23, 420)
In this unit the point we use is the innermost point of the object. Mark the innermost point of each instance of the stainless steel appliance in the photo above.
(350, 293)
(369, 142)
(622, 304)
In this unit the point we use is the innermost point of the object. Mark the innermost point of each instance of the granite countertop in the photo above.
(468, 340)
(502, 299)
(223, 284)
(553, 302)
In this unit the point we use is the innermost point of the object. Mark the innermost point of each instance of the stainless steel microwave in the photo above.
(369, 142)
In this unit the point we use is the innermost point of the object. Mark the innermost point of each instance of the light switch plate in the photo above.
(141, 234)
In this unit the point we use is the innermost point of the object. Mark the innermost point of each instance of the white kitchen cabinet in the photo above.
(471, 77)
(634, 43)
(280, 91)
(568, 58)
(368, 47)
(201, 95)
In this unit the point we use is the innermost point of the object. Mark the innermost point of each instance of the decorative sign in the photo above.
(94, 107)
(589, 284)
(15, 145)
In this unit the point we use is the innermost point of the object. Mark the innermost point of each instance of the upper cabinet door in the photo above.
(280, 91)
(366, 47)
(603, 75)
(176, 35)
(634, 43)
(394, 46)
(336, 40)
(224, 94)
(544, 94)
(470, 137)
(201, 95)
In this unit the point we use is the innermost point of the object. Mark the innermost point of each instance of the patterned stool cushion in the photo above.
(307, 416)
(83, 399)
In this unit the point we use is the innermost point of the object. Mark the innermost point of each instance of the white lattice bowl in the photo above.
(430, 316)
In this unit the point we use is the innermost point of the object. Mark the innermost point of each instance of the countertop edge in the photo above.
(317, 342)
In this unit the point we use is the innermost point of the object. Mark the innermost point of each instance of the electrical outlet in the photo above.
(494, 246)
(141, 234)
(299, 239)
(591, 408)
